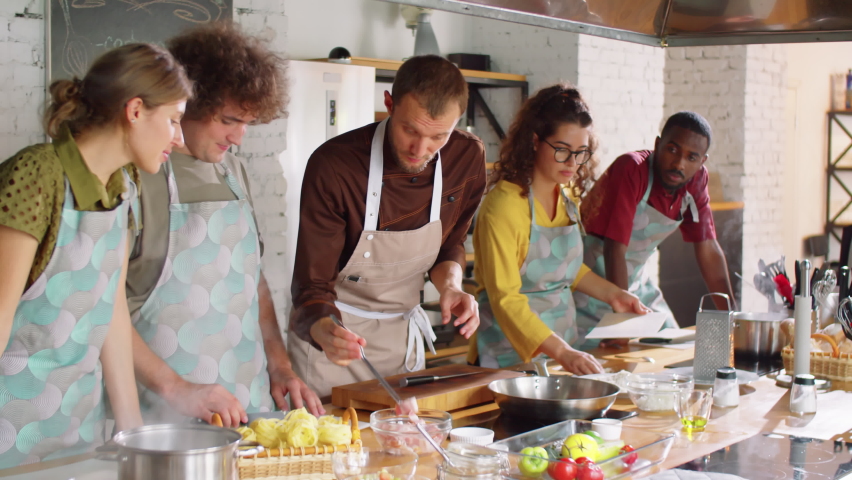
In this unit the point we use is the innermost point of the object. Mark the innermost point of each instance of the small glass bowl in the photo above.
(657, 392)
(396, 432)
(366, 464)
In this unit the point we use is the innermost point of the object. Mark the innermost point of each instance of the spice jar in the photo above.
(472, 462)
(803, 397)
(726, 390)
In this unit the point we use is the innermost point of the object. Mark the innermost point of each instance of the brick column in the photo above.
(21, 74)
(740, 90)
(261, 151)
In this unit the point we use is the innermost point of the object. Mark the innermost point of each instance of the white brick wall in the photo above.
(21, 74)
(765, 95)
(711, 82)
(22, 85)
(741, 91)
(261, 147)
(623, 84)
(544, 56)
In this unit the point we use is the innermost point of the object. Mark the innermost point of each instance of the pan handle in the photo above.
(107, 452)
(249, 452)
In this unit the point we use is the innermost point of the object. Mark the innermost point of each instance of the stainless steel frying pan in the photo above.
(554, 398)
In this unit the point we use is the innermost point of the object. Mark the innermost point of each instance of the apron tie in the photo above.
(419, 328)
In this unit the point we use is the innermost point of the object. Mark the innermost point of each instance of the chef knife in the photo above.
(423, 379)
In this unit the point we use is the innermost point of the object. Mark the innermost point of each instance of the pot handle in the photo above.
(107, 452)
(249, 452)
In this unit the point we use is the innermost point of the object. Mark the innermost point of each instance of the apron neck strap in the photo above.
(374, 181)
(230, 180)
(689, 202)
(650, 178)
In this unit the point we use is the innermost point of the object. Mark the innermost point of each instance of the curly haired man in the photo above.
(207, 339)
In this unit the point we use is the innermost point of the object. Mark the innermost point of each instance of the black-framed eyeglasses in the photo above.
(562, 155)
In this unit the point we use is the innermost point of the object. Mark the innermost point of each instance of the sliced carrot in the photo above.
(835, 351)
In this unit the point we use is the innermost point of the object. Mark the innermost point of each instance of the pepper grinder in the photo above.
(802, 317)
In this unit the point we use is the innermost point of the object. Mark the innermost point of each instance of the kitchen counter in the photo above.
(762, 407)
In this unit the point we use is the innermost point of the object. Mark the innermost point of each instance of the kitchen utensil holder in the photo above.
(714, 340)
(302, 463)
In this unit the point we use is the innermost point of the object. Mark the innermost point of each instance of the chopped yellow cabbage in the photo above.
(330, 420)
(331, 435)
(266, 432)
(300, 433)
(247, 433)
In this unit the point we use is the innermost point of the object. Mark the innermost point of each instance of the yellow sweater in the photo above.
(501, 240)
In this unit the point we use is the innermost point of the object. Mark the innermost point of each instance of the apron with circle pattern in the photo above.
(202, 317)
(553, 260)
(51, 379)
(650, 228)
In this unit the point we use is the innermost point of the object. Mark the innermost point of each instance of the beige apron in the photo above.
(378, 292)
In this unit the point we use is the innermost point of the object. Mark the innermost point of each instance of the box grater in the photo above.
(714, 341)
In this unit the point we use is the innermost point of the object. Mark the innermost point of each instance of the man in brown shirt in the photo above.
(368, 235)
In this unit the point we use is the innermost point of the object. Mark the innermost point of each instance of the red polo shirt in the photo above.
(610, 205)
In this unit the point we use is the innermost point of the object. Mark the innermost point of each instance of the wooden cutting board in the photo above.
(447, 395)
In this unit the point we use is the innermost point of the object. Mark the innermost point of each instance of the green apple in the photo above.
(580, 445)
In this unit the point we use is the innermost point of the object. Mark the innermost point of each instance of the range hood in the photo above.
(671, 23)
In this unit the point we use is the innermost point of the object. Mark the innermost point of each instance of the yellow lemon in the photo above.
(580, 445)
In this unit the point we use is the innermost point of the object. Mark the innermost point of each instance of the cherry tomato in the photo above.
(564, 469)
(629, 459)
(583, 460)
(590, 471)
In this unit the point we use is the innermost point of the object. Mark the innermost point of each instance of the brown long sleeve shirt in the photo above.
(334, 191)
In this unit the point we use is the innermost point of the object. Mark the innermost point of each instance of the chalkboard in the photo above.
(81, 30)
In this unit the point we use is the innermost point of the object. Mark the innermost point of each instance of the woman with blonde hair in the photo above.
(528, 239)
(65, 212)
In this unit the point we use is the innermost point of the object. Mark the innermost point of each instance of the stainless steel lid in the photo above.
(181, 439)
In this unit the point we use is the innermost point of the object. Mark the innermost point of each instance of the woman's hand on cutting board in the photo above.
(341, 346)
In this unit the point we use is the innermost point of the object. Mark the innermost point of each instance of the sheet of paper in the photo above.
(832, 418)
(628, 325)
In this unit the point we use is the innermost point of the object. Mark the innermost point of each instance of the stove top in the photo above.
(761, 366)
(772, 456)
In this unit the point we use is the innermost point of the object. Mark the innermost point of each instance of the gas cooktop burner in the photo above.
(772, 456)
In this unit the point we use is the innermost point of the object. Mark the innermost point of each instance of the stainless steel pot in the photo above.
(554, 398)
(758, 335)
(178, 452)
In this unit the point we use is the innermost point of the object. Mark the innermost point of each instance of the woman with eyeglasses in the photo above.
(528, 239)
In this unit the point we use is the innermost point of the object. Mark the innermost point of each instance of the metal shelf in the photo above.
(832, 226)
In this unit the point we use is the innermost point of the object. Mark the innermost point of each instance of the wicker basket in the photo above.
(824, 365)
(304, 463)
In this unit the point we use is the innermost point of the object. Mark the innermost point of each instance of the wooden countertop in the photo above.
(762, 406)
